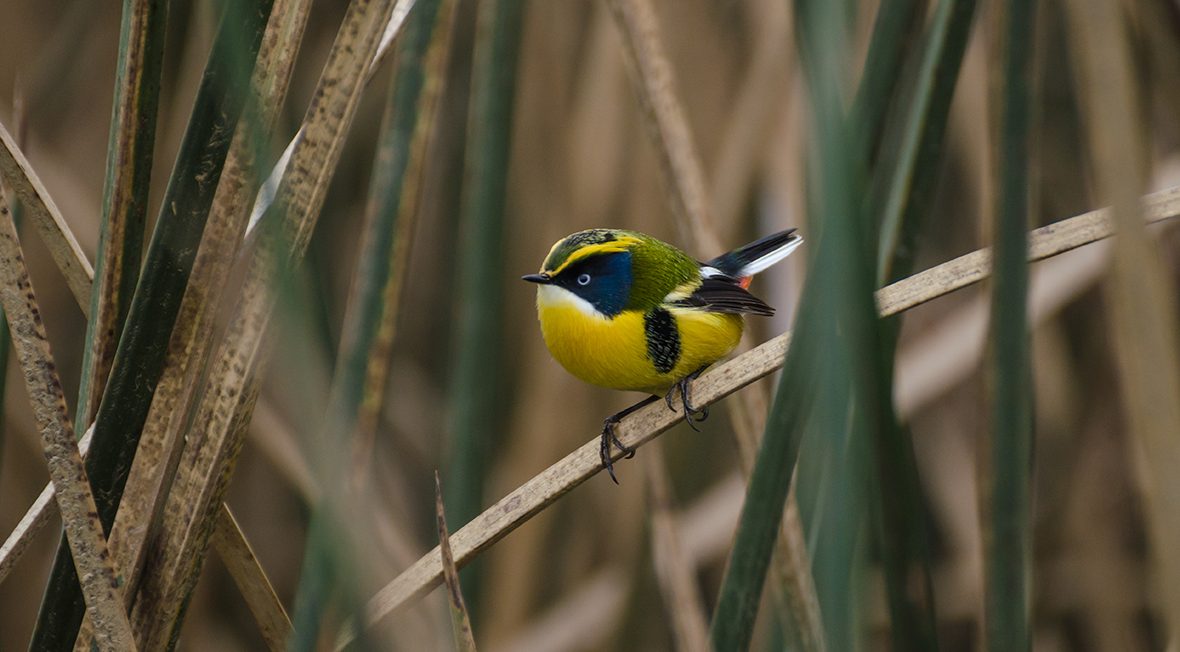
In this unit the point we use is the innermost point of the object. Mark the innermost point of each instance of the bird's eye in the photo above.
(584, 279)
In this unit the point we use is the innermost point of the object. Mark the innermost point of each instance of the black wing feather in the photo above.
(723, 294)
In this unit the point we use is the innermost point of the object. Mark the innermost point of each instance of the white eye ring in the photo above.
(584, 279)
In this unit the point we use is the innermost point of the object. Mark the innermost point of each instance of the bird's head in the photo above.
(591, 269)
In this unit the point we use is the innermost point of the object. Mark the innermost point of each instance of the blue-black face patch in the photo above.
(604, 281)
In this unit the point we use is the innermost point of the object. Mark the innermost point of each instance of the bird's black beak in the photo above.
(536, 278)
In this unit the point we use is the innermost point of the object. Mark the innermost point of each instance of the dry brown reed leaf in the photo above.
(159, 445)
(1142, 295)
(460, 621)
(675, 573)
(528, 499)
(209, 457)
(35, 518)
(254, 585)
(84, 531)
(55, 232)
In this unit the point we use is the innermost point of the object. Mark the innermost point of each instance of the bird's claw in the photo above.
(691, 413)
(610, 438)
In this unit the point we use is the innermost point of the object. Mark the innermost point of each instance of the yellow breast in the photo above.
(612, 352)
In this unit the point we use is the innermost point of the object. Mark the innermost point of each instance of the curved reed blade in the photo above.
(893, 31)
(904, 187)
(140, 356)
(1006, 463)
(125, 192)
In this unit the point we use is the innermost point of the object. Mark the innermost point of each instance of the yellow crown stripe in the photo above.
(621, 244)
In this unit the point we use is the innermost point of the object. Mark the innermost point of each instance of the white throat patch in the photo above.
(553, 296)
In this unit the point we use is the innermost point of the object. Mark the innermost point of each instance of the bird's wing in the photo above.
(720, 293)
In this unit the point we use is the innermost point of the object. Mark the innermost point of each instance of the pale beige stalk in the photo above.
(43, 213)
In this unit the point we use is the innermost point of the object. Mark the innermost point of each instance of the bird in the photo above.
(623, 310)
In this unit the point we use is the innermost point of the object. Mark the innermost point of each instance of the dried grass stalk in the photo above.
(79, 514)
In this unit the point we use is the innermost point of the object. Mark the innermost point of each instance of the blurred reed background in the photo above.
(989, 467)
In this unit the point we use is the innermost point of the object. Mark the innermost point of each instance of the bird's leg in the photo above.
(691, 413)
(609, 437)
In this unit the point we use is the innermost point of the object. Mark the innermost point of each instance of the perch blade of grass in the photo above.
(532, 497)
(1141, 292)
(125, 192)
(237, 555)
(363, 363)
(676, 575)
(208, 460)
(460, 621)
(142, 347)
(476, 404)
(83, 529)
(34, 199)
(1006, 463)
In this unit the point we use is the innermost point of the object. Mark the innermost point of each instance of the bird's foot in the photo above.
(609, 438)
(692, 415)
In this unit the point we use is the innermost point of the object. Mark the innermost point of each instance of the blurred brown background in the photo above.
(579, 576)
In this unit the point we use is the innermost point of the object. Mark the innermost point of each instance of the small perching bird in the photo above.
(624, 310)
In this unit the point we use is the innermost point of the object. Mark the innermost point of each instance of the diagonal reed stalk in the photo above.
(530, 498)
(83, 529)
(142, 348)
(235, 552)
(460, 621)
(222, 414)
(36, 203)
(125, 192)
(363, 363)
(1006, 462)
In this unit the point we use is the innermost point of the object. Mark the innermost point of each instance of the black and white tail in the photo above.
(747, 261)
